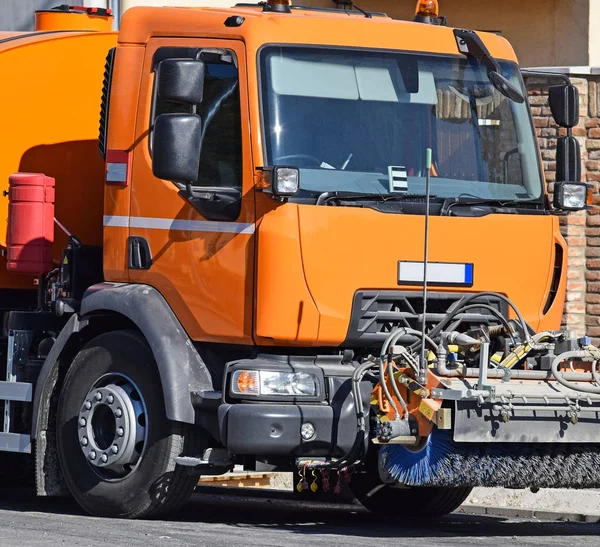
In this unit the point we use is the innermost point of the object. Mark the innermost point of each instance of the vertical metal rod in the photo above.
(423, 367)
(115, 6)
(10, 377)
(484, 363)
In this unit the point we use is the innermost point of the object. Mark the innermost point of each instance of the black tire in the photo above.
(156, 485)
(416, 502)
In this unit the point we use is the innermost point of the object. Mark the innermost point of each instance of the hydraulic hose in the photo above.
(385, 388)
(390, 371)
(351, 457)
(466, 300)
(401, 331)
(469, 372)
(495, 313)
(561, 378)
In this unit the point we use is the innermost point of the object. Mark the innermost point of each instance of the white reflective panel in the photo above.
(313, 79)
(375, 84)
(379, 80)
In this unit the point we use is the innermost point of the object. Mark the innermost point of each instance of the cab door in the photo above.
(200, 262)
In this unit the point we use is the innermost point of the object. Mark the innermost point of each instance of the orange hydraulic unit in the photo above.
(51, 108)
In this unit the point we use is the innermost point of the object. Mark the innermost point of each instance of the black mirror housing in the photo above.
(568, 160)
(176, 147)
(564, 104)
(181, 80)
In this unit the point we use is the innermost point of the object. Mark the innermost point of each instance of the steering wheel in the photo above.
(313, 159)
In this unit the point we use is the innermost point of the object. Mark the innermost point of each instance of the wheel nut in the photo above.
(110, 399)
(98, 396)
(114, 448)
(84, 441)
(120, 432)
(93, 455)
(119, 413)
(88, 405)
(82, 422)
(104, 458)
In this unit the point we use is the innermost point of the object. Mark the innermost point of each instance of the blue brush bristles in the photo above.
(419, 468)
(443, 462)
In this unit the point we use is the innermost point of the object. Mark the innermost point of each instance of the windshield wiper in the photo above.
(325, 197)
(451, 202)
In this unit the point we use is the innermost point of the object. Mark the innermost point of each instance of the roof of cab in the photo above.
(341, 28)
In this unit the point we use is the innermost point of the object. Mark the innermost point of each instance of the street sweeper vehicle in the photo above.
(326, 246)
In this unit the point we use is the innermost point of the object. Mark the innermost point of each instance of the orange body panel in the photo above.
(332, 270)
(127, 72)
(206, 276)
(293, 282)
(49, 107)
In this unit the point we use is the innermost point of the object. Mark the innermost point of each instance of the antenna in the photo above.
(423, 368)
(350, 4)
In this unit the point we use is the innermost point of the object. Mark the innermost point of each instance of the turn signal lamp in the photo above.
(245, 382)
(427, 8)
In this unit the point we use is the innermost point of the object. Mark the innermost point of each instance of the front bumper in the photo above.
(272, 428)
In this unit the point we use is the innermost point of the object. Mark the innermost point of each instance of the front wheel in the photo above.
(390, 501)
(116, 447)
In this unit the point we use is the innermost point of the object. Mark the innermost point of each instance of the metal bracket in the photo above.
(19, 342)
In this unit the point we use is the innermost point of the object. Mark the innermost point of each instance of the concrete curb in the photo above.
(515, 512)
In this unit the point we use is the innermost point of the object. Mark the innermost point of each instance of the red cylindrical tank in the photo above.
(30, 223)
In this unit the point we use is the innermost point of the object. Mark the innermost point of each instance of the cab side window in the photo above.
(221, 149)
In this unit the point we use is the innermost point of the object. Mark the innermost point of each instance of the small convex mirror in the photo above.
(181, 80)
(564, 104)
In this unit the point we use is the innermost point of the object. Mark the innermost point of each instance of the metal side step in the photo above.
(15, 442)
(19, 343)
(16, 391)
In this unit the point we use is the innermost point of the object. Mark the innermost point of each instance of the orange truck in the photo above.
(325, 245)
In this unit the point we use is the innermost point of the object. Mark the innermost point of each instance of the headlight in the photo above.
(273, 383)
(286, 181)
(570, 196)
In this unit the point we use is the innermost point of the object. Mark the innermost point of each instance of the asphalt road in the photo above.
(216, 521)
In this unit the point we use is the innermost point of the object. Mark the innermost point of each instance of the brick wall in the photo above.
(581, 229)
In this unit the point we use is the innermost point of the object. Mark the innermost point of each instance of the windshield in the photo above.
(361, 121)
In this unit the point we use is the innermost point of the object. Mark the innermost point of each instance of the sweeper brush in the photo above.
(442, 462)
(494, 405)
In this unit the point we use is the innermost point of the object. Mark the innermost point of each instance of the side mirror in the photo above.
(568, 160)
(564, 104)
(569, 193)
(181, 80)
(176, 147)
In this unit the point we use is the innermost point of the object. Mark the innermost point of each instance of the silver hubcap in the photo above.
(112, 426)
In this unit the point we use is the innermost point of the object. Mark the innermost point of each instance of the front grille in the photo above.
(376, 313)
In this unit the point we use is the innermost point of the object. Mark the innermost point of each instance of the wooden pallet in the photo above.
(238, 480)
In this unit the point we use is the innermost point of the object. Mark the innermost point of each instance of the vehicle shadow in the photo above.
(316, 518)
(351, 520)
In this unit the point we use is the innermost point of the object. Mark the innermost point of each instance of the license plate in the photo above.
(444, 274)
